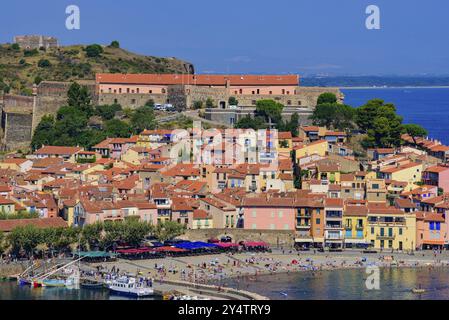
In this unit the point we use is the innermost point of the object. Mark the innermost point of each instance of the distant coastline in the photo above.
(393, 87)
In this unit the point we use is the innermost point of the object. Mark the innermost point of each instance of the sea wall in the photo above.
(273, 237)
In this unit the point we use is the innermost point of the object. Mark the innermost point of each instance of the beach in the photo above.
(215, 268)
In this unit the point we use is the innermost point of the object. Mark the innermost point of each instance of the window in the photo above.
(150, 91)
(299, 103)
(281, 214)
(272, 226)
(289, 102)
(372, 230)
(254, 214)
(318, 220)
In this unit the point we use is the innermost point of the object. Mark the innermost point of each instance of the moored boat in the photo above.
(130, 287)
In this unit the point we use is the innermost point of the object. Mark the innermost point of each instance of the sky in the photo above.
(308, 37)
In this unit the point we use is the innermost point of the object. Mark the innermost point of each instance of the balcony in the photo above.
(348, 227)
(334, 226)
(359, 227)
(303, 226)
(385, 237)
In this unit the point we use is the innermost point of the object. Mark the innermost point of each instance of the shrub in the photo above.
(43, 63)
(94, 50)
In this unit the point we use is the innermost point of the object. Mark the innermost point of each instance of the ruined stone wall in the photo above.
(17, 130)
(36, 41)
(16, 124)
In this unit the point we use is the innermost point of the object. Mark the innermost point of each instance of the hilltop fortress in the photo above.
(21, 114)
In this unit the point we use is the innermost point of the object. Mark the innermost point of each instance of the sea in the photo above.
(10, 290)
(428, 107)
(394, 284)
(350, 284)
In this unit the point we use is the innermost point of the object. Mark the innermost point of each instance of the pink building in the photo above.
(268, 214)
(431, 230)
(437, 176)
(159, 83)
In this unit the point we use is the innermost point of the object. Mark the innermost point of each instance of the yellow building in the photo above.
(201, 220)
(69, 210)
(7, 206)
(355, 224)
(410, 173)
(390, 228)
(319, 147)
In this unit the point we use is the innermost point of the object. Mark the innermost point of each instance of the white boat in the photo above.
(130, 287)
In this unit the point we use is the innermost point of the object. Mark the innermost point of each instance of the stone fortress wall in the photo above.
(36, 42)
(21, 114)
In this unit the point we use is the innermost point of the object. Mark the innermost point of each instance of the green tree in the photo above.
(168, 230)
(116, 128)
(2, 243)
(270, 110)
(79, 97)
(233, 101)
(43, 63)
(292, 126)
(248, 122)
(94, 50)
(326, 97)
(380, 122)
(92, 234)
(25, 238)
(415, 131)
(38, 80)
(115, 44)
(143, 118)
(107, 112)
(210, 103)
(45, 132)
(197, 104)
(15, 47)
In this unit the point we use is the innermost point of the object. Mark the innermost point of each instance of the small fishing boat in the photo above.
(93, 285)
(418, 290)
(130, 287)
(55, 283)
(23, 282)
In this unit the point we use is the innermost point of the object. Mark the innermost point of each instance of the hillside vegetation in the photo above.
(20, 68)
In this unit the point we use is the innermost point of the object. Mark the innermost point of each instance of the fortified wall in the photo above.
(21, 114)
(17, 118)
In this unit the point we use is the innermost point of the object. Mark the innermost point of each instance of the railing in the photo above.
(302, 226)
(385, 237)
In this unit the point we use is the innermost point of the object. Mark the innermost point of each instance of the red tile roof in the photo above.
(200, 79)
(9, 225)
(57, 150)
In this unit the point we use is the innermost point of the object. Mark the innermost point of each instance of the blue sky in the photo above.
(260, 36)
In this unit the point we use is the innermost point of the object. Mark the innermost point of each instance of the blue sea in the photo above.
(428, 107)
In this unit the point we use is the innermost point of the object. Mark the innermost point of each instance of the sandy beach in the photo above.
(213, 268)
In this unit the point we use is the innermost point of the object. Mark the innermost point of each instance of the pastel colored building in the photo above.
(268, 214)
(319, 147)
(410, 172)
(437, 176)
(431, 230)
(355, 224)
(389, 228)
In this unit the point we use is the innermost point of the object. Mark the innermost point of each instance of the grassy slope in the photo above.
(71, 63)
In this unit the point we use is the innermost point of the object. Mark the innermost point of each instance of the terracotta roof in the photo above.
(9, 225)
(404, 203)
(199, 79)
(57, 150)
(437, 169)
(200, 214)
